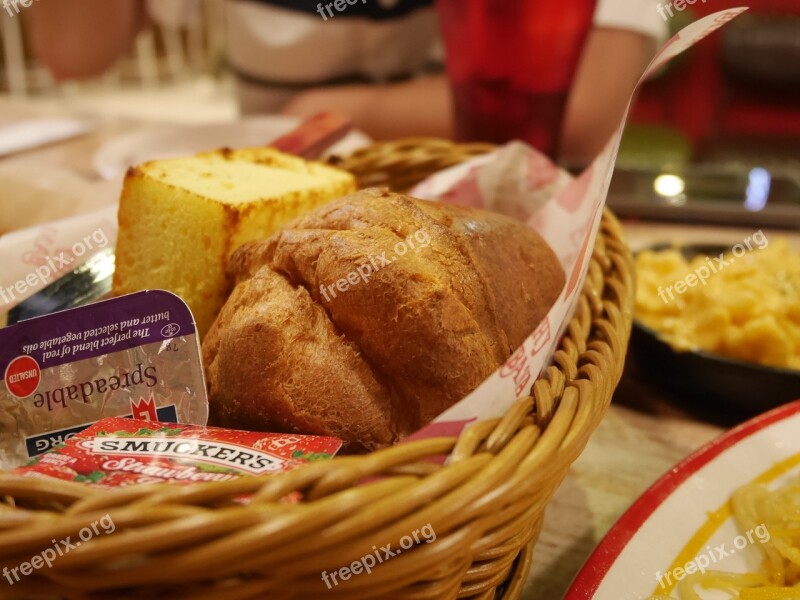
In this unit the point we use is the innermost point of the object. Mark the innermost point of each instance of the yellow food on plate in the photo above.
(775, 515)
(744, 306)
(181, 219)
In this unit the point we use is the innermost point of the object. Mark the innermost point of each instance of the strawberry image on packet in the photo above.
(116, 452)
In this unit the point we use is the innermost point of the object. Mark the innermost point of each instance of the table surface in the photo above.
(643, 435)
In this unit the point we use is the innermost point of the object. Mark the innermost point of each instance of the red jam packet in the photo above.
(116, 452)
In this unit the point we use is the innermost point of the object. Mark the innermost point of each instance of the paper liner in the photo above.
(34, 258)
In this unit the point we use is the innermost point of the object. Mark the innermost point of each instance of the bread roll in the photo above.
(371, 315)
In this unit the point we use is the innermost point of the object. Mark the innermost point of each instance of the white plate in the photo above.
(114, 158)
(686, 514)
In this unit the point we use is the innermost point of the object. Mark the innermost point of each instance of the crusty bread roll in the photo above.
(306, 344)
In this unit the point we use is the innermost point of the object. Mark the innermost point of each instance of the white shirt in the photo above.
(285, 49)
(282, 45)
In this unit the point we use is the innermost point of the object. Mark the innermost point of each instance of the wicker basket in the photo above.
(485, 506)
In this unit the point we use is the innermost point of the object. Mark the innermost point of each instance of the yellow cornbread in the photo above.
(180, 219)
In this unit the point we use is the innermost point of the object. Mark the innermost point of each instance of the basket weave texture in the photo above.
(485, 505)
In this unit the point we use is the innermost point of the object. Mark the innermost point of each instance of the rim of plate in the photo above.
(605, 555)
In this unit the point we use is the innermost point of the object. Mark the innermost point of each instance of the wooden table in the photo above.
(644, 434)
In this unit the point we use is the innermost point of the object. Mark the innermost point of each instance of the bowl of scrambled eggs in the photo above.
(722, 323)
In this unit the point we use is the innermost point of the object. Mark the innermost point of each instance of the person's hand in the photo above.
(420, 107)
(350, 100)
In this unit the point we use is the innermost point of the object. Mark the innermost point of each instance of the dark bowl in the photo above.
(698, 376)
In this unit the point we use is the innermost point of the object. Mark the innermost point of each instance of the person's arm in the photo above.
(420, 107)
(78, 39)
(611, 65)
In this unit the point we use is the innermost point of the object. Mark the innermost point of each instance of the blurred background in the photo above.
(714, 137)
(725, 120)
(172, 72)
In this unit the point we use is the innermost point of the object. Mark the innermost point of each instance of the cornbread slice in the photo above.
(180, 219)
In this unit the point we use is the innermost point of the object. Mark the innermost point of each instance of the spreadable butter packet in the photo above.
(134, 356)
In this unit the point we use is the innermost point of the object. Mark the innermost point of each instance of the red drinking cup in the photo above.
(511, 64)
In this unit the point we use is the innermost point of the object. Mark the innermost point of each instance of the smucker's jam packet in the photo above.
(118, 452)
(134, 356)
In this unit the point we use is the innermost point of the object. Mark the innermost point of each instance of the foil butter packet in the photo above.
(118, 452)
(134, 356)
